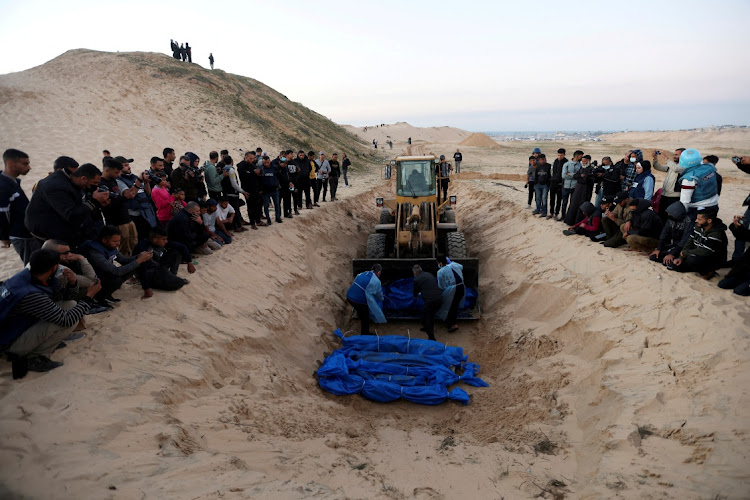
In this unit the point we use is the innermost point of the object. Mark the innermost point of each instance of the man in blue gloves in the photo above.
(366, 296)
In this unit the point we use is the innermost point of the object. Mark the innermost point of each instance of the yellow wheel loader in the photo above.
(415, 227)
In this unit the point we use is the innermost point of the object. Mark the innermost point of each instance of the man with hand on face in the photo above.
(32, 324)
(65, 205)
(186, 227)
(13, 203)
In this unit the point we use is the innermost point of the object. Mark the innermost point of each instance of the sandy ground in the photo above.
(609, 376)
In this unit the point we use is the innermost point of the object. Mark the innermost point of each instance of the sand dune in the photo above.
(401, 131)
(479, 140)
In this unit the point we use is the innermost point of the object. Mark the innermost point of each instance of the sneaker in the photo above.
(42, 364)
(568, 232)
(74, 336)
(549, 216)
(279, 221)
(254, 227)
(268, 222)
(98, 309)
(111, 299)
(315, 205)
(296, 212)
(535, 212)
(528, 207)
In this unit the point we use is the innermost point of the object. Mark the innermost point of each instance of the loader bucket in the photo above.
(395, 270)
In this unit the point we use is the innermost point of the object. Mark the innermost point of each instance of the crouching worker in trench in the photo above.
(366, 295)
(432, 296)
(36, 312)
(450, 278)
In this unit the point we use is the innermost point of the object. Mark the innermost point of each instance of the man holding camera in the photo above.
(673, 169)
(116, 213)
(189, 177)
(63, 206)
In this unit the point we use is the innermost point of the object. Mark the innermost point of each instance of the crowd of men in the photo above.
(677, 225)
(87, 230)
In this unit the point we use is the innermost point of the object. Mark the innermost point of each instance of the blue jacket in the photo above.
(13, 203)
(367, 289)
(448, 278)
(704, 176)
(643, 186)
(11, 292)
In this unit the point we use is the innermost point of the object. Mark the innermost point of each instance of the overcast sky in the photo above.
(479, 65)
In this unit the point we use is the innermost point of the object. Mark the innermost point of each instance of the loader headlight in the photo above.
(379, 202)
(453, 199)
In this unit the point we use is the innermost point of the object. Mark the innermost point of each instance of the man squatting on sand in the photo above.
(87, 231)
(676, 225)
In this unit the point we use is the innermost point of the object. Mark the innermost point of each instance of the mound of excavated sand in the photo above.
(480, 140)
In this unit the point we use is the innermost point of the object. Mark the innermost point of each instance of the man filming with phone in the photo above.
(669, 193)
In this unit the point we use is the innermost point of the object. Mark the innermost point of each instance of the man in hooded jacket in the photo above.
(645, 227)
(706, 249)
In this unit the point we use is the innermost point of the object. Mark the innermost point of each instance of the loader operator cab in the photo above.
(416, 178)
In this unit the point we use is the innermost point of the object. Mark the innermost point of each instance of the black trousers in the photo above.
(428, 318)
(214, 195)
(235, 202)
(322, 188)
(110, 284)
(363, 311)
(531, 192)
(333, 182)
(555, 198)
(304, 188)
(450, 320)
(255, 208)
(316, 189)
(286, 201)
(698, 264)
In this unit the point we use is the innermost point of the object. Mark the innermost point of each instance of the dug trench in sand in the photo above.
(214, 389)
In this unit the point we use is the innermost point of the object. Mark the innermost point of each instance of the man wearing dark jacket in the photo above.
(345, 164)
(541, 187)
(102, 255)
(303, 179)
(160, 272)
(674, 235)
(738, 277)
(62, 209)
(556, 184)
(13, 203)
(269, 185)
(645, 227)
(186, 178)
(116, 213)
(249, 174)
(706, 249)
(186, 227)
(432, 296)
